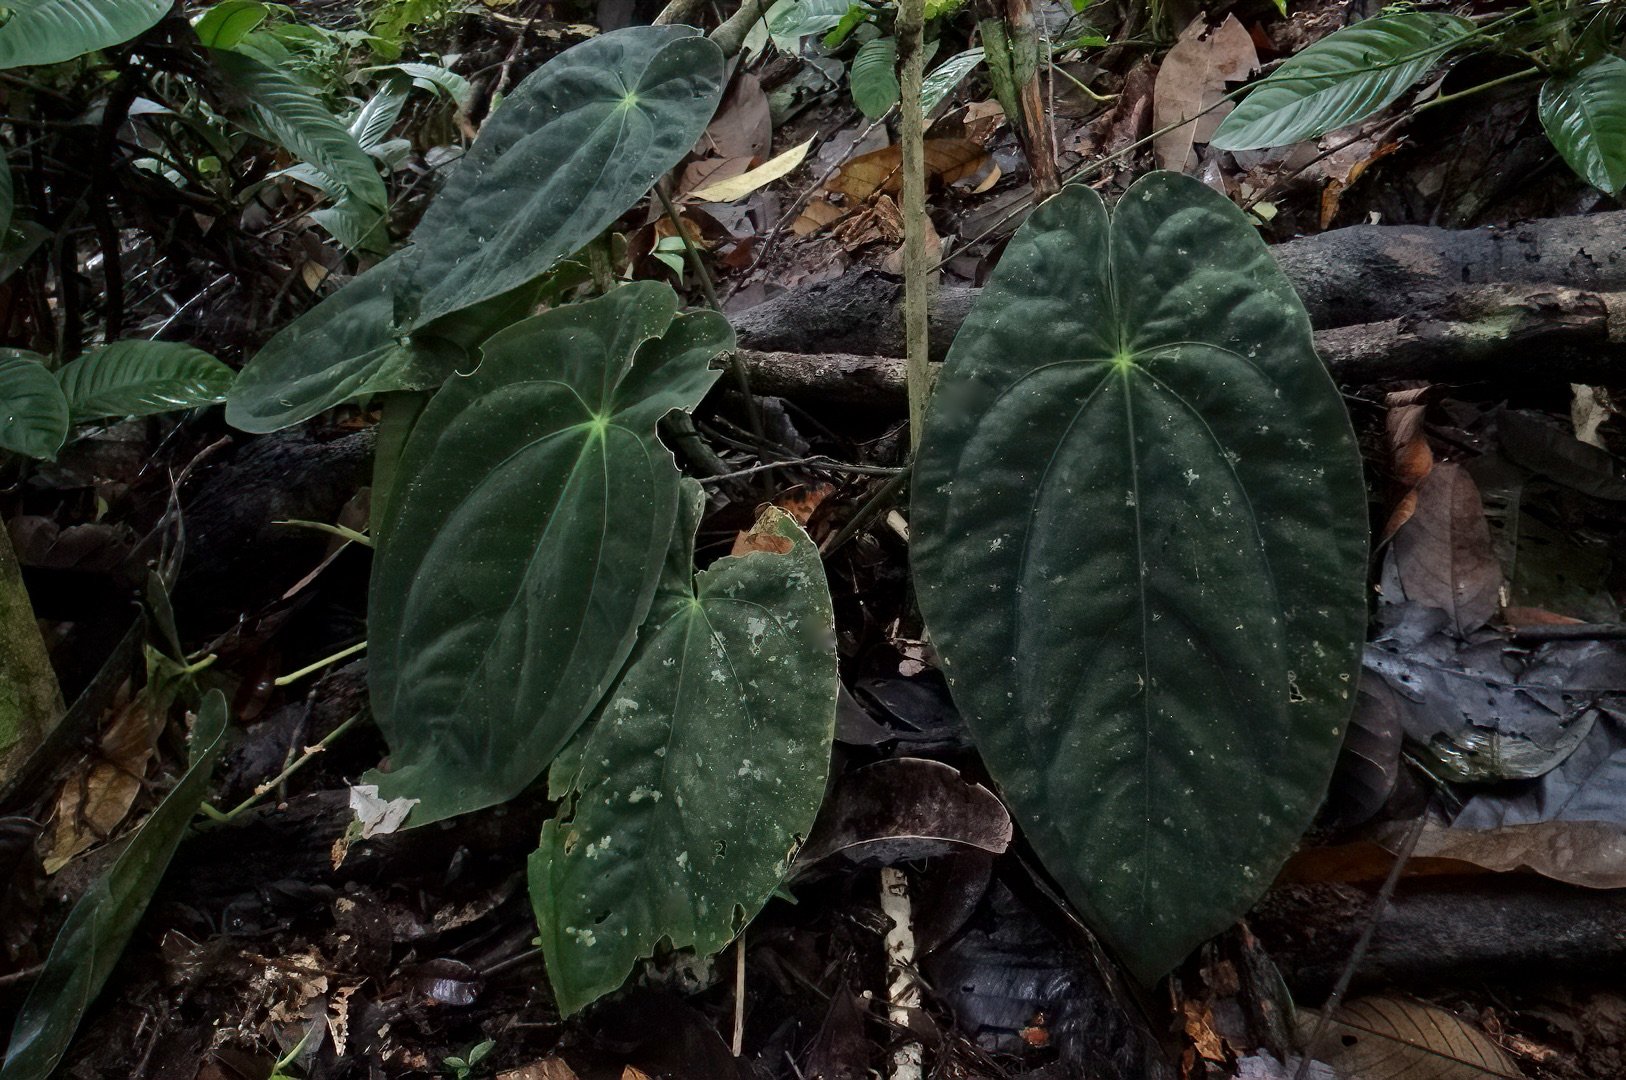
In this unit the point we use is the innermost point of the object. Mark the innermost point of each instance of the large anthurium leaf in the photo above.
(572, 148)
(523, 543)
(688, 795)
(51, 31)
(95, 933)
(570, 151)
(1140, 546)
(33, 412)
(1585, 117)
(284, 111)
(1346, 76)
(140, 378)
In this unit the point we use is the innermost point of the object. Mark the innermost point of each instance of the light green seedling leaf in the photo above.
(140, 378)
(874, 76)
(100, 925)
(523, 543)
(51, 31)
(572, 148)
(1585, 117)
(33, 412)
(790, 20)
(569, 152)
(1139, 542)
(686, 798)
(284, 111)
(226, 24)
(1346, 76)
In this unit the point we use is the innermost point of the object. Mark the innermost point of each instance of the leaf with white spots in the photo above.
(1139, 543)
(686, 798)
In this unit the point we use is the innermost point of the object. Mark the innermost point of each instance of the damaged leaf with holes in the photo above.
(1139, 540)
(685, 800)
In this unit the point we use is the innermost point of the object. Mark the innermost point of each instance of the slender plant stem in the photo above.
(917, 270)
(870, 509)
(309, 669)
(226, 817)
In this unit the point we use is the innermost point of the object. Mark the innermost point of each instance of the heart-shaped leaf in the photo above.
(1346, 76)
(51, 31)
(523, 543)
(139, 378)
(33, 412)
(1585, 117)
(95, 933)
(575, 145)
(685, 800)
(1140, 546)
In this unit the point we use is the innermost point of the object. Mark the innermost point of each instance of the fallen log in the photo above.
(1362, 275)
(1479, 334)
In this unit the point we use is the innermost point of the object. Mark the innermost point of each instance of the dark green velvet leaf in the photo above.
(523, 542)
(1140, 532)
(686, 798)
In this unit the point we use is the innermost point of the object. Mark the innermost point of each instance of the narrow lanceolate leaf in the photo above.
(572, 148)
(139, 378)
(89, 943)
(874, 76)
(33, 412)
(1344, 77)
(285, 112)
(1585, 117)
(51, 31)
(1140, 546)
(523, 543)
(686, 798)
(942, 79)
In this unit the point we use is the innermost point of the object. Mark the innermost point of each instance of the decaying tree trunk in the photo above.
(1543, 300)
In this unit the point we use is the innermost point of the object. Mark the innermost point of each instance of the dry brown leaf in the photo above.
(630, 1073)
(801, 501)
(710, 170)
(881, 171)
(816, 215)
(548, 1069)
(1444, 554)
(743, 126)
(1192, 79)
(1391, 1038)
(757, 539)
(1341, 175)
(1410, 456)
(1199, 1028)
(95, 800)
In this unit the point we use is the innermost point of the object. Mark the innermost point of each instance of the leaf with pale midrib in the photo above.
(1585, 117)
(51, 31)
(1139, 542)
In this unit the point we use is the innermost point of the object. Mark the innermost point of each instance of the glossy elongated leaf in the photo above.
(89, 943)
(286, 112)
(569, 151)
(1585, 117)
(226, 24)
(523, 543)
(1140, 545)
(51, 31)
(940, 82)
(139, 378)
(1346, 76)
(33, 412)
(576, 144)
(874, 76)
(687, 797)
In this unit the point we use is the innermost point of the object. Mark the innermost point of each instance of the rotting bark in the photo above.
(1484, 927)
(1478, 334)
(1361, 275)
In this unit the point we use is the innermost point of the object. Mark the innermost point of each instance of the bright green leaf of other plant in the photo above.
(1140, 546)
(686, 798)
(225, 25)
(523, 543)
(576, 144)
(51, 31)
(1585, 117)
(1346, 76)
(100, 924)
(140, 378)
(33, 412)
(284, 111)
(789, 20)
(874, 76)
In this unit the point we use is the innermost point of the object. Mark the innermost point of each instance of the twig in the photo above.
(1568, 632)
(730, 36)
(870, 509)
(917, 268)
(902, 992)
(739, 995)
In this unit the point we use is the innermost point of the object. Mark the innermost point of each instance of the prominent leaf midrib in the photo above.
(1145, 649)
